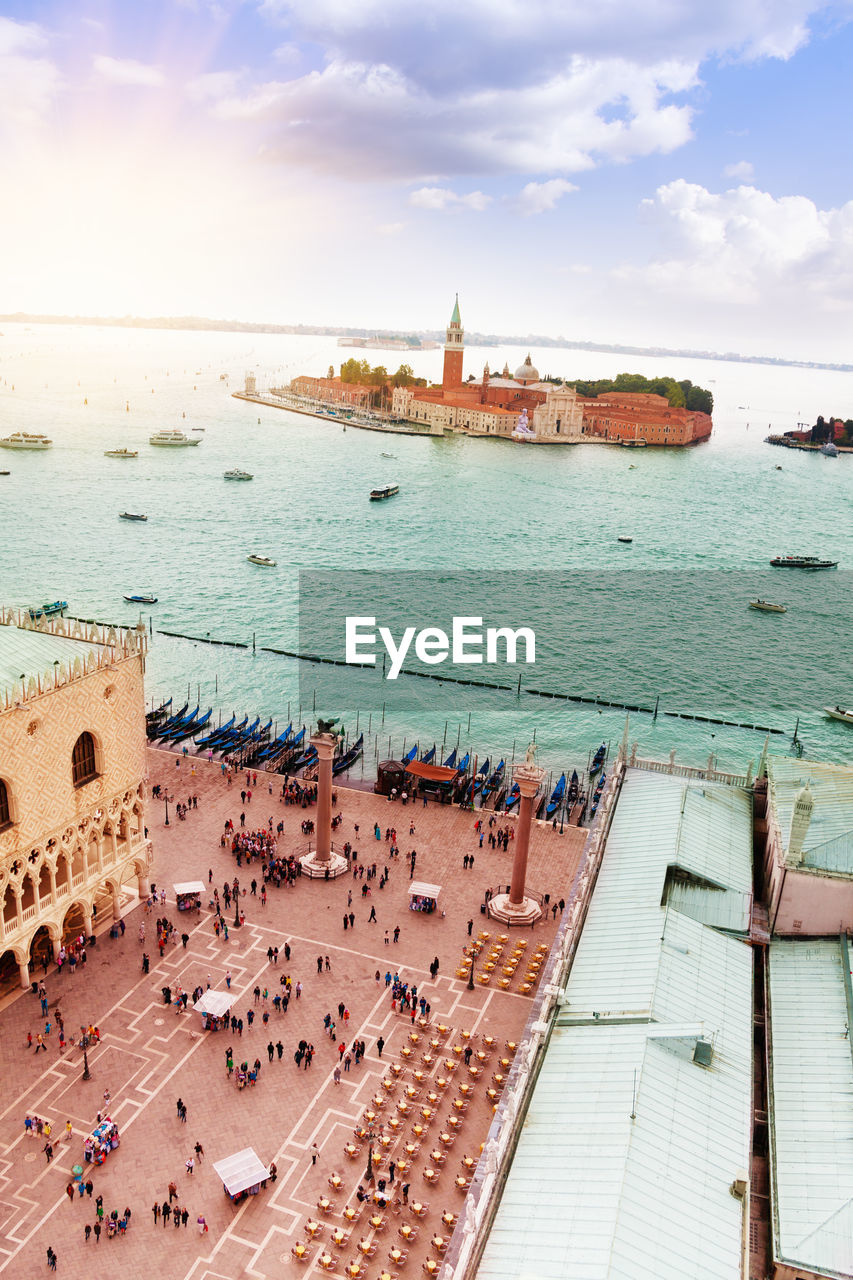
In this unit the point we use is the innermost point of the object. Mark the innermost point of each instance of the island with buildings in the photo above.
(519, 406)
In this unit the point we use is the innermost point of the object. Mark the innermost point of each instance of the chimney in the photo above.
(800, 819)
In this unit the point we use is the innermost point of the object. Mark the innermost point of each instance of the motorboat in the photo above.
(802, 562)
(387, 491)
(48, 610)
(173, 438)
(199, 428)
(131, 515)
(121, 453)
(25, 440)
(633, 444)
(236, 474)
(624, 538)
(141, 599)
(829, 450)
(5, 473)
(262, 560)
(766, 606)
(839, 713)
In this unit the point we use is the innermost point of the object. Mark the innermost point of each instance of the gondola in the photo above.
(463, 763)
(556, 797)
(599, 786)
(513, 798)
(430, 756)
(279, 744)
(166, 726)
(494, 781)
(307, 757)
(480, 780)
(151, 717)
(574, 786)
(450, 762)
(190, 730)
(182, 724)
(598, 759)
(407, 759)
(217, 733)
(348, 759)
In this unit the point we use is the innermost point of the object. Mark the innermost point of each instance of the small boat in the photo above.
(829, 450)
(131, 515)
(513, 797)
(217, 733)
(157, 713)
(236, 474)
(450, 762)
(839, 713)
(198, 429)
(556, 797)
(598, 759)
(25, 440)
(387, 491)
(5, 473)
(48, 610)
(430, 756)
(622, 538)
(141, 599)
(572, 793)
(463, 763)
(407, 759)
(348, 759)
(766, 606)
(171, 436)
(389, 455)
(263, 560)
(802, 562)
(633, 444)
(121, 453)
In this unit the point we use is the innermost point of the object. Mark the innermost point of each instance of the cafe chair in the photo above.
(367, 1247)
(300, 1251)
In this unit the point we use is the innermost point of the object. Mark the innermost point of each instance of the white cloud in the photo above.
(442, 199)
(748, 247)
(742, 169)
(214, 86)
(390, 228)
(541, 197)
(128, 71)
(29, 82)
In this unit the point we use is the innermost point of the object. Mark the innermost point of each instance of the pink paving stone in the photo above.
(149, 1056)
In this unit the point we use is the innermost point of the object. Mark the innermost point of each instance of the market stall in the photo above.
(189, 895)
(214, 1007)
(423, 896)
(101, 1141)
(242, 1174)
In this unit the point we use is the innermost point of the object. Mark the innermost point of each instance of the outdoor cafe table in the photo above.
(430, 1175)
(300, 1250)
(324, 1203)
(325, 1261)
(350, 1214)
(354, 1270)
(338, 1236)
(418, 1130)
(394, 1123)
(385, 1141)
(377, 1221)
(335, 1181)
(431, 1266)
(461, 1182)
(468, 1162)
(437, 1157)
(465, 1088)
(439, 1242)
(411, 1148)
(407, 1231)
(313, 1227)
(395, 1254)
(449, 1219)
(446, 1138)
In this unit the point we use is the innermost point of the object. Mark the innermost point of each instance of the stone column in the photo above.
(143, 887)
(24, 971)
(322, 863)
(514, 907)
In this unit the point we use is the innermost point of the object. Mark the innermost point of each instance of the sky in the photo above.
(653, 172)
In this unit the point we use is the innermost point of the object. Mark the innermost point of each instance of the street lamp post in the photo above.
(371, 1135)
(471, 972)
(166, 798)
(84, 1043)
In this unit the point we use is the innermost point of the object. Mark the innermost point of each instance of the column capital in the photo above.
(325, 744)
(529, 778)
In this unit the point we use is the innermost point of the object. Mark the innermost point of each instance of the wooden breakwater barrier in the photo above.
(578, 698)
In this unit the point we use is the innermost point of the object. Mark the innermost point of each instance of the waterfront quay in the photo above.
(149, 1056)
(374, 421)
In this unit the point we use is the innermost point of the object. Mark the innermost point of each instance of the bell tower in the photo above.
(453, 351)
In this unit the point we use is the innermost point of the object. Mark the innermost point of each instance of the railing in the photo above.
(29, 913)
(690, 771)
(79, 879)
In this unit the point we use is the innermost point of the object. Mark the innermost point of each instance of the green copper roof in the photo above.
(454, 319)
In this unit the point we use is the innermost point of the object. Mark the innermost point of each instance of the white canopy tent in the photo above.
(214, 1003)
(191, 886)
(420, 889)
(241, 1172)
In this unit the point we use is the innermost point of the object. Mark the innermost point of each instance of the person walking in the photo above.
(155, 1209)
(190, 1165)
(380, 1045)
(97, 1231)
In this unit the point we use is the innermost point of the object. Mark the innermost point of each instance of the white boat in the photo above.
(25, 440)
(387, 491)
(839, 713)
(829, 450)
(263, 560)
(766, 606)
(121, 453)
(173, 437)
(624, 538)
(236, 474)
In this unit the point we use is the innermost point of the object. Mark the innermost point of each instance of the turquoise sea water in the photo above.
(482, 509)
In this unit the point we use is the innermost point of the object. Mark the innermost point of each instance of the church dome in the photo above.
(526, 372)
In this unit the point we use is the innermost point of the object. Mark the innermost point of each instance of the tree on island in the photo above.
(378, 377)
(680, 395)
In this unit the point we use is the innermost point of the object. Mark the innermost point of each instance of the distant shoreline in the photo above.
(204, 325)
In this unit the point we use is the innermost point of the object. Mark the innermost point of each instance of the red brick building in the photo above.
(622, 416)
(332, 391)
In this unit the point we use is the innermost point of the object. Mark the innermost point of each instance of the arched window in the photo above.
(83, 760)
(5, 817)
